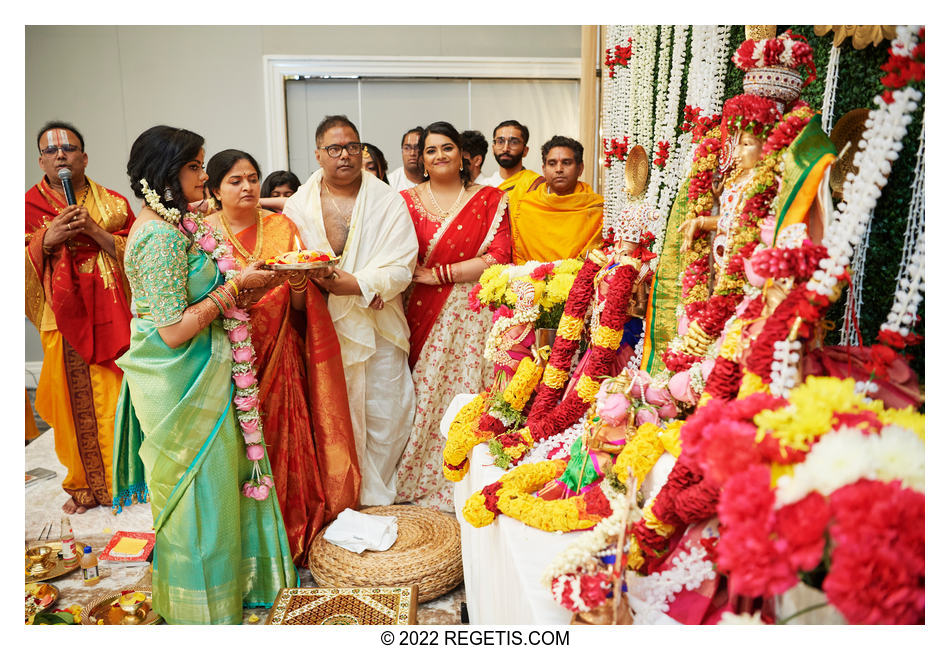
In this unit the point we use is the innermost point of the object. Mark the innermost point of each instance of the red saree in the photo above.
(477, 229)
(85, 289)
(303, 400)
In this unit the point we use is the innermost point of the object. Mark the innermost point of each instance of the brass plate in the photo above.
(31, 608)
(57, 568)
(309, 266)
(636, 172)
(108, 611)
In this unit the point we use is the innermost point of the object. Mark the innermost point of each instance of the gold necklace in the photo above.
(258, 245)
(444, 213)
(336, 205)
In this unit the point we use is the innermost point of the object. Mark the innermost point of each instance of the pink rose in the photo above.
(226, 264)
(658, 397)
(255, 452)
(267, 479)
(246, 403)
(244, 379)
(645, 415)
(189, 224)
(250, 426)
(680, 388)
(639, 384)
(614, 410)
(237, 314)
(238, 334)
(244, 354)
(668, 411)
(261, 493)
(707, 368)
(755, 279)
(247, 487)
(682, 325)
(208, 243)
(252, 438)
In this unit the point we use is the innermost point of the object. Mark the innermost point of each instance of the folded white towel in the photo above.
(356, 531)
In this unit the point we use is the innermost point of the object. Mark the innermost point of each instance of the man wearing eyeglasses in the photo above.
(510, 146)
(348, 210)
(77, 296)
(411, 172)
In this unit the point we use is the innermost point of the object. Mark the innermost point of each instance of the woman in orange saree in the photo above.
(447, 339)
(302, 390)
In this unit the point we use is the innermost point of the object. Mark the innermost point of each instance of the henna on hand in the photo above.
(203, 312)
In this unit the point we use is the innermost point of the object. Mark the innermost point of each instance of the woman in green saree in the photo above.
(178, 440)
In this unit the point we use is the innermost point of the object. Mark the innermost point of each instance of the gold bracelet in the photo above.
(299, 287)
(237, 289)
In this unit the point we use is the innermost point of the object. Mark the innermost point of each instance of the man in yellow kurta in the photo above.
(78, 298)
(563, 216)
(510, 146)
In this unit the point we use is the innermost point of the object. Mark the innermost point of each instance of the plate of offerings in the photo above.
(127, 607)
(43, 561)
(39, 598)
(301, 260)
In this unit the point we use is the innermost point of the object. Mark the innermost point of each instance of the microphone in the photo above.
(66, 176)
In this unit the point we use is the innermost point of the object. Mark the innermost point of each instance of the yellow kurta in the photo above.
(547, 227)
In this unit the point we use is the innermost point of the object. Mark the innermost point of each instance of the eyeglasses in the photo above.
(514, 142)
(410, 147)
(334, 150)
(51, 151)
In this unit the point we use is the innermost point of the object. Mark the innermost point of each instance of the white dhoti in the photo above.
(381, 252)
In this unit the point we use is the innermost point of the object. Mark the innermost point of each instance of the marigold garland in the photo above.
(462, 437)
(550, 421)
(480, 508)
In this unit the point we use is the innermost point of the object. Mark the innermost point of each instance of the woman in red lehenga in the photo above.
(447, 339)
(303, 394)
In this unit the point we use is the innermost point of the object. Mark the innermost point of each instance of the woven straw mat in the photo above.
(427, 553)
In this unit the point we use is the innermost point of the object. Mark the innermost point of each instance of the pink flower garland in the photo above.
(236, 323)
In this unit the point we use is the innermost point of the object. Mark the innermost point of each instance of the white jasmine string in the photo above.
(831, 85)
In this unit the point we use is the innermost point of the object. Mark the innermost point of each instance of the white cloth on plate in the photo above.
(358, 531)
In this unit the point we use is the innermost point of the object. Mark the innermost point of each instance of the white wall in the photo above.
(113, 82)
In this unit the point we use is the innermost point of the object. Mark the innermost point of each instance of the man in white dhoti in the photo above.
(343, 208)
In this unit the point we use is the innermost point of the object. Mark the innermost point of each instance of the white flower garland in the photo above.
(642, 84)
(650, 595)
(559, 443)
(910, 282)
(878, 148)
(831, 86)
(784, 374)
(855, 298)
(615, 123)
(847, 455)
(666, 131)
(591, 543)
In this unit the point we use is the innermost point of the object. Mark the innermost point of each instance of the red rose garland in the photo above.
(545, 421)
(562, 353)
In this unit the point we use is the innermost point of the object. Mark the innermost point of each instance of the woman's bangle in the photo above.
(438, 277)
(298, 287)
(234, 285)
(448, 273)
(216, 301)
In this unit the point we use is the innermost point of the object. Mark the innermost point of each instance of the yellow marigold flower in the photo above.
(640, 454)
(587, 389)
(607, 338)
(521, 386)
(655, 524)
(475, 511)
(635, 555)
(670, 437)
(456, 475)
(907, 418)
(570, 328)
(751, 383)
(463, 436)
(510, 298)
(554, 377)
(569, 266)
(557, 290)
(491, 273)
